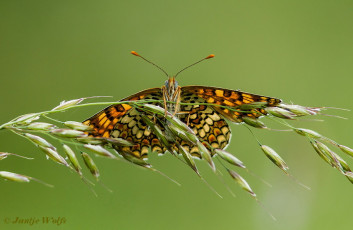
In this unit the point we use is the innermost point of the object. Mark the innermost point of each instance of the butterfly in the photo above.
(204, 109)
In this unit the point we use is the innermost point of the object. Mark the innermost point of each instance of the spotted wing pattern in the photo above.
(131, 127)
(231, 98)
(208, 125)
(123, 121)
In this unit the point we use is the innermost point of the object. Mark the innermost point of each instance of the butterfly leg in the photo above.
(189, 114)
(177, 95)
(164, 89)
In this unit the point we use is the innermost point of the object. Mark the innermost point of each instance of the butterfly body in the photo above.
(171, 95)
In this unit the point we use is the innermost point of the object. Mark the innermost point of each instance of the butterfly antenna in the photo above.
(138, 55)
(208, 57)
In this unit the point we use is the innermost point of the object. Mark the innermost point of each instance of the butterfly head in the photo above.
(171, 84)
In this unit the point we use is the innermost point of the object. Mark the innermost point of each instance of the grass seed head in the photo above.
(192, 137)
(68, 133)
(346, 150)
(54, 155)
(27, 118)
(241, 181)
(322, 154)
(14, 176)
(73, 159)
(334, 160)
(40, 126)
(90, 165)
(99, 150)
(308, 133)
(137, 161)
(157, 131)
(186, 136)
(68, 104)
(91, 140)
(3, 156)
(279, 112)
(154, 109)
(253, 122)
(349, 176)
(117, 141)
(274, 157)
(344, 166)
(188, 158)
(77, 126)
(299, 110)
(173, 119)
(38, 140)
(181, 125)
(230, 158)
(205, 154)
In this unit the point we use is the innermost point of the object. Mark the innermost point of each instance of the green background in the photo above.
(300, 51)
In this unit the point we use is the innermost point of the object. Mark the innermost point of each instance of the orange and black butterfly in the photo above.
(200, 107)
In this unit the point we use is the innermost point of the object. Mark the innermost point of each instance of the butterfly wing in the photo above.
(231, 98)
(208, 125)
(123, 121)
(207, 121)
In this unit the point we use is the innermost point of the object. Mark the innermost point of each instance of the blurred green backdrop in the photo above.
(300, 51)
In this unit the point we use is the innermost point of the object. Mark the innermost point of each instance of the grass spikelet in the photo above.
(346, 150)
(334, 161)
(132, 159)
(275, 158)
(206, 155)
(158, 132)
(174, 120)
(99, 150)
(73, 159)
(27, 118)
(308, 133)
(254, 122)
(90, 165)
(299, 110)
(14, 176)
(40, 126)
(20, 178)
(349, 176)
(77, 126)
(322, 154)
(279, 112)
(68, 133)
(337, 161)
(68, 104)
(54, 155)
(230, 158)
(241, 182)
(117, 141)
(38, 140)
(188, 158)
(91, 140)
(186, 136)
(343, 163)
